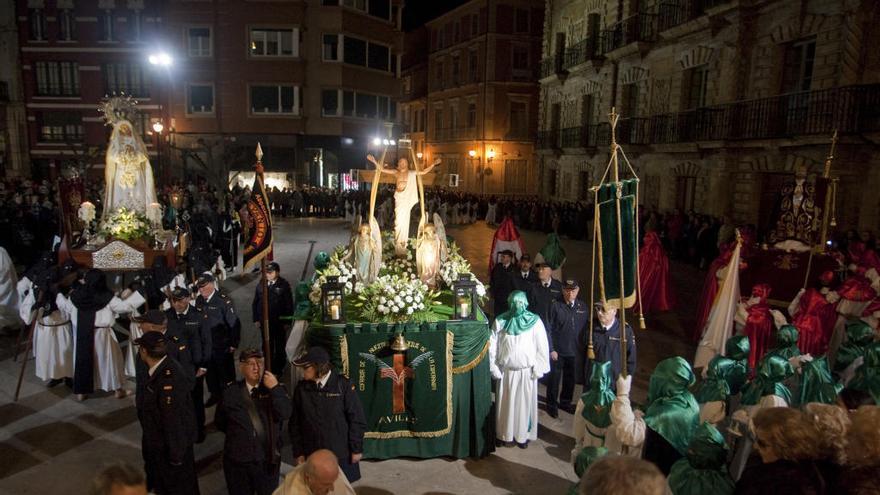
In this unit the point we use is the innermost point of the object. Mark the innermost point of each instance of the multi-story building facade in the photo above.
(313, 81)
(72, 54)
(480, 111)
(13, 121)
(720, 100)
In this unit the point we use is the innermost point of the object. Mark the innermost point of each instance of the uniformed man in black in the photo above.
(327, 414)
(524, 278)
(252, 413)
(568, 318)
(155, 320)
(544, 293)
(280, 306)
(167, 419)
(606, 343)
(222, 322)
(193, 347)
(501, 281)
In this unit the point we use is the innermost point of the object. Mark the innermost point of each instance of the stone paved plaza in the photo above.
(50, 443)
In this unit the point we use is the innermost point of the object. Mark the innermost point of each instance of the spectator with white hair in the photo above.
(613, 475)
(319, 475)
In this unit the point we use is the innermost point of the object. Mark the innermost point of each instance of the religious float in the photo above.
(128, 236)
(401, 317)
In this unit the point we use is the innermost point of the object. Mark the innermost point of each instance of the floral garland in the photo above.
(394, 299)
(456, 265)
(336, 268)
(125, 224)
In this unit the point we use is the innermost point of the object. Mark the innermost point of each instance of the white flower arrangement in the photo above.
(336, 268)
(456, 265)
(86, 212)
(125, 224)
(392, 299)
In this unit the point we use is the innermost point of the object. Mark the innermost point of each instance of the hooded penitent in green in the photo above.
(703, 470)
(587, 456)
(737, 349)
(597, 401)
(858, 335)
(518, 318)
(552, 252)
(715, 387)
(867, 377)
(303, 308)
(672, 410)
(817, 384)
(786, 343)
(768, 381)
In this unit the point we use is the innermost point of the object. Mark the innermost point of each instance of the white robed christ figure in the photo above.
(406, 195)
(128, 175)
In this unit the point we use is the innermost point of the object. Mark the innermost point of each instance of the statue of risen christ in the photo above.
(406, 196)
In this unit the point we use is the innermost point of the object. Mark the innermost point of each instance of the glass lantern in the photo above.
(464, 293)
(332, 295)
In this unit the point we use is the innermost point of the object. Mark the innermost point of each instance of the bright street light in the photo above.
(385, 142)
(391, 142)
(162, 58)
(472, 153)
(490, 154)
(377, 141)
(158, 127)
(419, 155)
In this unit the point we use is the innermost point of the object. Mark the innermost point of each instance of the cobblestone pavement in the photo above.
(51, 444)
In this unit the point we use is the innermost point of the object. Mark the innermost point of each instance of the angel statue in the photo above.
(128, 175)
(431, 251)
(366, 251)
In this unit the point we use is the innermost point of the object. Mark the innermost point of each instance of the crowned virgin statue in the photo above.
(127, 173)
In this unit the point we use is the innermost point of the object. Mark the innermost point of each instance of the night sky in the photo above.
(418, 12)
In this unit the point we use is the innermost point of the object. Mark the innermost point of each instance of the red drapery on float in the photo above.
(657, 292)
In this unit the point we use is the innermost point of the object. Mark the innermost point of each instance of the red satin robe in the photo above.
(814, 319)
(657, 292)
(759, 329)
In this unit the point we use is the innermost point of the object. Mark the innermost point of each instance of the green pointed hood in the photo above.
(715, 387)
(672, 410)
(768, 381)
(598, 400)
(518, 318)
(816, 383)
(737, 348)
(858, 335)
(867, 377)
(587, 456)
(703, 470)
(322, 260)
(786, 343)
(552, 251)
(303, 308)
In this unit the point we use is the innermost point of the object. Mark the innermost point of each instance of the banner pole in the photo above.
(615, 178)
(829, 191)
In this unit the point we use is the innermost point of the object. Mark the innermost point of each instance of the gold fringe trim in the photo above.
(343, 351)
(427, 434)
(473, 364)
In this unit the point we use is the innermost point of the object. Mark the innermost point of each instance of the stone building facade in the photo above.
(719, 100)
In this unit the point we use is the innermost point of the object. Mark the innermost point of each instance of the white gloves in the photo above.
(740, 416)
(535, 375)
(624, 384)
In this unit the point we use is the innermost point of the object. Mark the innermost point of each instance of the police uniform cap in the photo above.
(538, 266)
(246, 354)
(525, 257)
(570, 284)
(272, 267)
(151, 340)
(153, 316)
(179, 293)
(315, 355)
(507, 252)
(204, 279)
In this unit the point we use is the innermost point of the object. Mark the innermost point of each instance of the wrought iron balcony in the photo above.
(675, 12)
(553, 65)
(580, 52)
(582, 136)
(548, 139)
(639, 27)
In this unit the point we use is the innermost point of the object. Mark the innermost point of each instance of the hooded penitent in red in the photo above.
(657, 292)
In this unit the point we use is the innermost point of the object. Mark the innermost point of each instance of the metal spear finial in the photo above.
(259, 153)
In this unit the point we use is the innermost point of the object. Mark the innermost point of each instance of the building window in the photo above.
(521, 21)
(378, 57)
(57, 78)
(354, 51)
(472, 66)
(438, 120)
(515, 175)
(520, 62)
(453, 114)
(587, 110)
(356, 4)
(199, 41)
(275, 42)
(125, 78)
(37, 25)
(66, 25)
(144, 125)
(365, 105)
(330, 50)
(471, 115)
(475, 24)
(135, 25)
(274, 100)
(797, 72)
(456, 31)
(518, 118)
(630, 103)
(456, 70)
(200, 99)
(365, 54)
(107, 26)
(330, 103)
(380, 9)
(438, 75)
(62, 127)
(696, 83)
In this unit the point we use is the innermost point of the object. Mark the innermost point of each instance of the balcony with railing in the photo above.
(641, 27)
(580, 52)
(454, 134)
(676, 12)
(552, 65)
(548, 139)
(582, 136)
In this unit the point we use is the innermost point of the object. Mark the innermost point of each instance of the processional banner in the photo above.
(609, 259)
(260, 242)
(405, 393)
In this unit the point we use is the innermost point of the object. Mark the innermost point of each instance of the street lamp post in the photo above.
(162, 60)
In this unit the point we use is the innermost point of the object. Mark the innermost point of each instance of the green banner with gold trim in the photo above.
(609, 255)
(405, 393)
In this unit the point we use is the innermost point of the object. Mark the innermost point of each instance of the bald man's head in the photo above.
(321, 470)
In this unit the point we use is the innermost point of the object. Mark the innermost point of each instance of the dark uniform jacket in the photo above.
(566, 326)
(541, 299)
(501, 284)
(280, 301)
(167, 414)
(174, 353)
(606, 345)
(186, 341)
(245, 441)
(329, 418)
(220, 321)
(524, 284)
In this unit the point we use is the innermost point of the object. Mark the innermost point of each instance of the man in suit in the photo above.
(192, 342)
(252, 414)
(568, 318)
(280, 306)
(167, 419)
(524, 278)
(542, 294)
(501, 281)
(221, 321)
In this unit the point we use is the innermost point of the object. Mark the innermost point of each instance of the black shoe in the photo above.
(212, 401)
(54, 382)
(523, 445)
(68, 382)
(553, 413)
(500, 443)
(569, 408)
